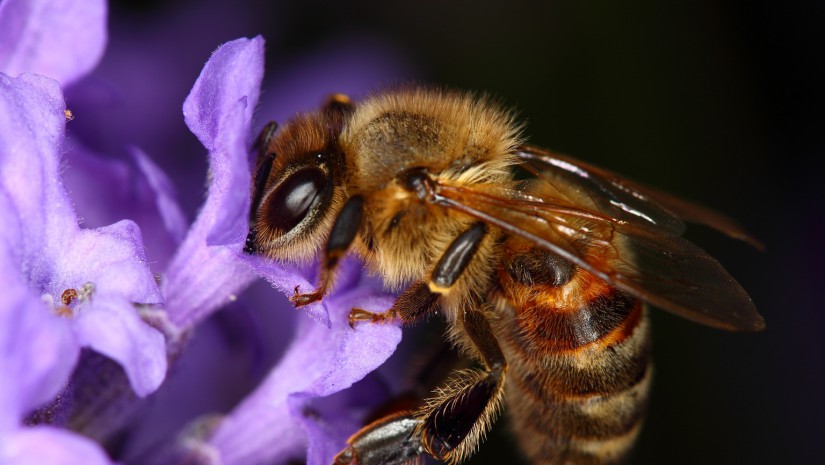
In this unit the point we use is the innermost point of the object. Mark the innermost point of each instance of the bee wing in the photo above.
(646, 259)
(624, 199)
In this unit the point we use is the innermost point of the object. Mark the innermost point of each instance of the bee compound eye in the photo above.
(294, 199)
(261, 177)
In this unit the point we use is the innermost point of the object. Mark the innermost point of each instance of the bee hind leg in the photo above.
(462, 412)
(450, 425)
(391, 440)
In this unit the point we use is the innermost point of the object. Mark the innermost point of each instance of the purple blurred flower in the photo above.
(43, 253)
(65, 40)
(104, 267)
(67, 287)
(62, 39)
(79, 285)
(106, 189)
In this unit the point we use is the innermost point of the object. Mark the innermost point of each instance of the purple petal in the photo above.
(232, 76)
(285, 277)
(326, 437)
(202, 279)
(38, 351)
(57, 254)
(106, 190)
(358, 355)
(206, 271)
(321, 361)
(219, 112)
(52, 253)
(169, 210)
(230, 352)
(360, 350)
(43, 445)
(29, 142)
(112, 259)
(111, 327)
(61, 39)
(335, 418)
(37, 348)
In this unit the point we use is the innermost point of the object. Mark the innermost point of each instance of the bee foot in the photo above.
(345, 457)
(299, 300)
(359, 314)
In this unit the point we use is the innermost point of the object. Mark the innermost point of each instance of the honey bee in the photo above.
(541, 264)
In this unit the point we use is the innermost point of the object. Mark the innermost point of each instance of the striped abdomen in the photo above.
(578, 355)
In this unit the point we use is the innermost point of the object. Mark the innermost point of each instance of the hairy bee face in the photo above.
(296, 192)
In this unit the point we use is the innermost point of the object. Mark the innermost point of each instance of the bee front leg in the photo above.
(343, 233)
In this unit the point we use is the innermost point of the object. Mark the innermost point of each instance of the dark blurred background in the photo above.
(718, 102)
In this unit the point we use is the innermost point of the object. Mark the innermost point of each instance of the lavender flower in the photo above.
(79, 285)
(62, 39)
(67, 287)
(45, 258)
(93, 276)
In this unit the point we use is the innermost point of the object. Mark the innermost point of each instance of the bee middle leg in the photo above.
(421, 298)
(415, 303)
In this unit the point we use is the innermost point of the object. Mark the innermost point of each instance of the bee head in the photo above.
(296, 190)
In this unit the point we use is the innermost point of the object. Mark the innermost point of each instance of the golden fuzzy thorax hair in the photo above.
(459, 139)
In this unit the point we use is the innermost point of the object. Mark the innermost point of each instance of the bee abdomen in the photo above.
(580, 407)
(595, 429)
(579, 376)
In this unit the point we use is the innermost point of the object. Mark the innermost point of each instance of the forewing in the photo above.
(624, 199)
(636, 256)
